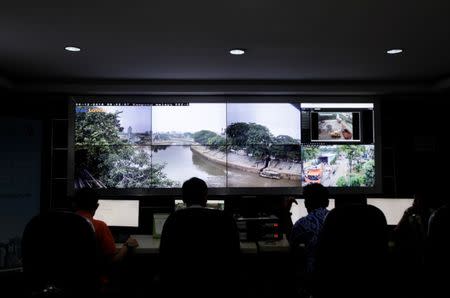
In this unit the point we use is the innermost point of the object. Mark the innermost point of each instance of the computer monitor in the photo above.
(213, 204)
(118, 213)
(393, 209)
(298, 211)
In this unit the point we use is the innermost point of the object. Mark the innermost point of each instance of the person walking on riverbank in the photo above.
(266, 162)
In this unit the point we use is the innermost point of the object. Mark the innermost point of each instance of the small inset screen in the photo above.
(335, 126)
(118, 213)
(337, 123)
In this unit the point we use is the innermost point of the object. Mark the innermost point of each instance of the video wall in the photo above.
(129, 145)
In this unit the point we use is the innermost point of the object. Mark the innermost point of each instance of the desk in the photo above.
(147, 244)
(279, 246)
(150, 245)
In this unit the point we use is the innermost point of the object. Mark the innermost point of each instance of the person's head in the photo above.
(316, 196)
(194, 192)
(86, 200)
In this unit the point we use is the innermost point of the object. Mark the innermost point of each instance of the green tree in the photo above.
(217, 142)
(255, 138)
(258, 134)
(369, 173)
(203, 136)
(310, 152)
(341, 182)
(283, 140)
(131, 172)
(100, 151)
(351, 152)
(237, 134)
(159, 179)
(97, 140)
(97, 128)
(257, 150)
(287, 152)
(356, 181)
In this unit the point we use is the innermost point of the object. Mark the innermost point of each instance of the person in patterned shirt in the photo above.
(306, 230)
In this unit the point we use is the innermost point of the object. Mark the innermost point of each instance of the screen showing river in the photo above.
(209, 165)
(237, 145)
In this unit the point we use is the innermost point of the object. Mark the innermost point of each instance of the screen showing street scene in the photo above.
(111, 147)
(339, 165)
(335, 126)
(263, 145)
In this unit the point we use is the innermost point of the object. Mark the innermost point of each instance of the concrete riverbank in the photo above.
(287, 170)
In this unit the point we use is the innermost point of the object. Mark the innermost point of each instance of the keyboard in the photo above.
(121, 237)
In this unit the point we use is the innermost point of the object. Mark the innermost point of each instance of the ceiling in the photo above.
(320, 40)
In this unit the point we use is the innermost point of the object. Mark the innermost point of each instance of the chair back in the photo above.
(352, 250)
(59, 251)
(199, 248)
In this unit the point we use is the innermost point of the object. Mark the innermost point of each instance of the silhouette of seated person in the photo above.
(85, 204)
(306, 230)
(410, 237)
(199, 246)
(351, 255)
(59, 256)
(437, 257)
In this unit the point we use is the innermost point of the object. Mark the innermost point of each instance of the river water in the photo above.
(182, 164)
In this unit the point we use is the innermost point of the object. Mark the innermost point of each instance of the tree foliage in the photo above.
(218, 143)
(131, 172)
(97, 128)
(159, 179)
(287, 152)
(351, 152)
(310, 152)
(341, 182)
(113, 161)
(283, 139)
(356, 180)
(237, 134)
(203, 136)
(258, 134)
(369, 173)
(258, 142)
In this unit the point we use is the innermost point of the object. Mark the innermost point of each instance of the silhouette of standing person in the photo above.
(266, 162)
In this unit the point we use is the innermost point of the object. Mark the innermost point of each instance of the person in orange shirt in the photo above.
(85, 204)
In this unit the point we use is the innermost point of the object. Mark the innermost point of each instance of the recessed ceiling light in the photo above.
(72, 49)
(394, 51)
(237, 52)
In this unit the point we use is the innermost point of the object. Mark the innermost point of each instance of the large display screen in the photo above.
(130, 145)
